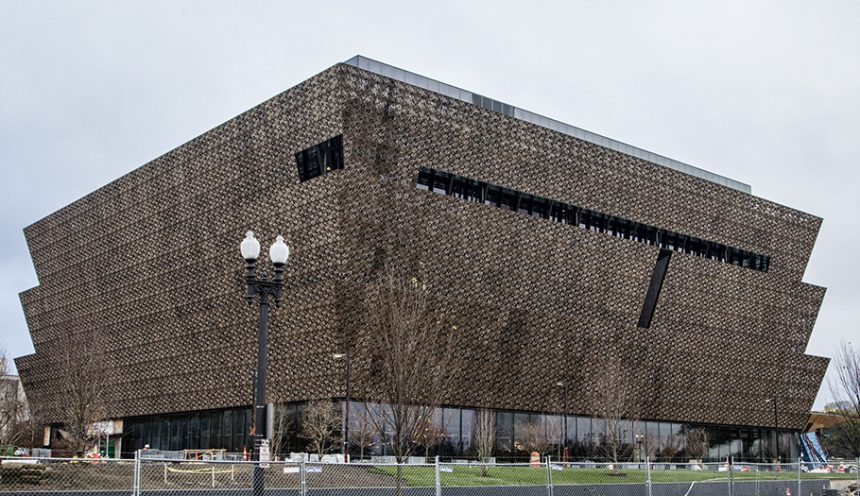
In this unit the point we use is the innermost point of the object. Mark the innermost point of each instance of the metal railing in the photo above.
(172, 477)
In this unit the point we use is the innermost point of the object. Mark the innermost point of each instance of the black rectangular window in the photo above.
(441, 183)
(509, 199)
(320, 159)
(425, 177)
(540, 207)
(525, 204)
(492, 196)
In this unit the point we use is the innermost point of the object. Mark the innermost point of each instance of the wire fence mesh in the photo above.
(176, 477)
(212, 477)
(56, 475)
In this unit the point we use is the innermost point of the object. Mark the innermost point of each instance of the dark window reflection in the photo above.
(320, 159)
(665, 442)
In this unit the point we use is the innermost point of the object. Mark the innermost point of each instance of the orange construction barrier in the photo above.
(535, 459)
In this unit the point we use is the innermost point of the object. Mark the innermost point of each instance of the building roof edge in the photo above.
(448, 90)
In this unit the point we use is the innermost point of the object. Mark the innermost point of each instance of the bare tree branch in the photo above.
(83, 386)
(412, 359)
(672, 445)
(555, 434)
(320, 422)
(845, 388)
(484, 436)
(615, 407)
(283, 423)
(532, 437)
(698, 443)
(362, 433)
(430, 435)
(13, 405)
(650, 445)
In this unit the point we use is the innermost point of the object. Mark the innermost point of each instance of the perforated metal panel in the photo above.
(152, 260)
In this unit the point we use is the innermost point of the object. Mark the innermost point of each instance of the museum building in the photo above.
(561, 255)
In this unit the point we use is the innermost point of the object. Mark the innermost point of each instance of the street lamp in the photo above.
(264, 288)
(566, 452)
(775, 424)
(345, 426)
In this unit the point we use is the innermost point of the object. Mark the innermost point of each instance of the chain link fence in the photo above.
(173, 477)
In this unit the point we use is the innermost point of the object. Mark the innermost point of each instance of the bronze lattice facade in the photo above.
(151, 262)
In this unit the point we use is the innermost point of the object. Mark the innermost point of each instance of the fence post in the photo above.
(799, 486)
(303, 478)
(438, 478)
(135, 478)
(731, 476)
(648, 473)
(858, 473)
(549, 488)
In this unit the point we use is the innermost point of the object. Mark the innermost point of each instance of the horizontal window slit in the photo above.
(464, 188)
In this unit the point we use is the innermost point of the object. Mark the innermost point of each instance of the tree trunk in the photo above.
(399, 491)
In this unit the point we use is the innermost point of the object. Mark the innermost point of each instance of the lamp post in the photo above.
(264, 288)
(775, 425)
(345, 426)
(566, 452)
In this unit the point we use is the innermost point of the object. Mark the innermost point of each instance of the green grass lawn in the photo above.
(510, 476)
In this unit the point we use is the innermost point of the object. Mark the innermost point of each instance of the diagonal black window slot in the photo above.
(654, 288)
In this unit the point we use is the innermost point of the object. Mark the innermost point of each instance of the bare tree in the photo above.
(412, 357)
(532, 437)
(430, 435)
(5, 362)
(320, 422)
(650, 445)
(614, 406)
(484, 436)
(13, 413)
(845, 388)
(555, 433)
(13, 406)
(283, 424)
(83, 386)
(362, 433)
(672, 445)
(698, 443)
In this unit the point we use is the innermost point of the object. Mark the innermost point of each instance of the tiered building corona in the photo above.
(560, 254)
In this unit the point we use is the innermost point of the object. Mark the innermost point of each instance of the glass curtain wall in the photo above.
(517, 434)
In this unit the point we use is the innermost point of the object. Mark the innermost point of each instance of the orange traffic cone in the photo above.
(245, 454)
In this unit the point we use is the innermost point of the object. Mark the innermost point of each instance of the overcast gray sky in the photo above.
(767, 93)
